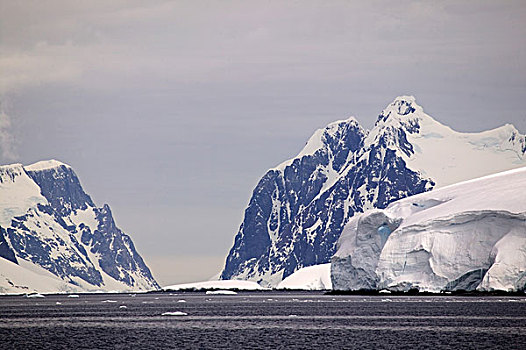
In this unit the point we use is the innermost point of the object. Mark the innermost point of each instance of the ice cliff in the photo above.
(471, 235)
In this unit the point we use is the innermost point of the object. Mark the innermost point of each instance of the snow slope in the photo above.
(443, 154)
(298, 209)
(18, 193)
(464, 236)
(317, 277)
(49, 224)
(15, 279)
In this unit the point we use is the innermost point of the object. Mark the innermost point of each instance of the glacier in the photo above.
(466, 236)
(299, 208)
(51, 228)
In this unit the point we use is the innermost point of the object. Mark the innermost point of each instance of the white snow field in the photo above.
(223, 285)
(317, 277)
(471, 235)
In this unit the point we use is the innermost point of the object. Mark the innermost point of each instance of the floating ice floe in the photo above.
(222, 292)
(174, 313)
(35, 295)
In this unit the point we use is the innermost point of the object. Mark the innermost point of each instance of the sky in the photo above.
(170, 111)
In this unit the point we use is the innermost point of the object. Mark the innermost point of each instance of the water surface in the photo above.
(258, 320)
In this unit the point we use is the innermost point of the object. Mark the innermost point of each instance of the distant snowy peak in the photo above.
(426, 145)
(46, 165)
(403, 108)
(335, 140)
(440, 153)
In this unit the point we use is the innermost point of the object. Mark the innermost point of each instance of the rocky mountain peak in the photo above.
(404, 113)
(60, 185)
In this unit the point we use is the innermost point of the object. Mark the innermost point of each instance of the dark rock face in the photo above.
(5, 250)
(118, 256)
(62, 189)
(298, 210)
(51, 235)
(31, 246)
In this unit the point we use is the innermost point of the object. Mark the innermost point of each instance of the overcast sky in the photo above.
(171, 111)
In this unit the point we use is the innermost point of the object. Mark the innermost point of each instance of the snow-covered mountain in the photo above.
(298, 209)
(470, 235)
(53, 238)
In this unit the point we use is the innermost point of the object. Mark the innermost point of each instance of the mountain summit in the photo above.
(298, 209)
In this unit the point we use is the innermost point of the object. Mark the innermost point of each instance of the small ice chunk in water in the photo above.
(174, 313)
(34, 295)
(223, 292)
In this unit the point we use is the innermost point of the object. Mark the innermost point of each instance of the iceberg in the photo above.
(471, 235)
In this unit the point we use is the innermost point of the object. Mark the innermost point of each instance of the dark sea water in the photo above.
(267, 320)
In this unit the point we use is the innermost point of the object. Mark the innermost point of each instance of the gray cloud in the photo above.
(7, 141)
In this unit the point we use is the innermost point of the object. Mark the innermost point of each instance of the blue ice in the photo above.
(384, 231)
